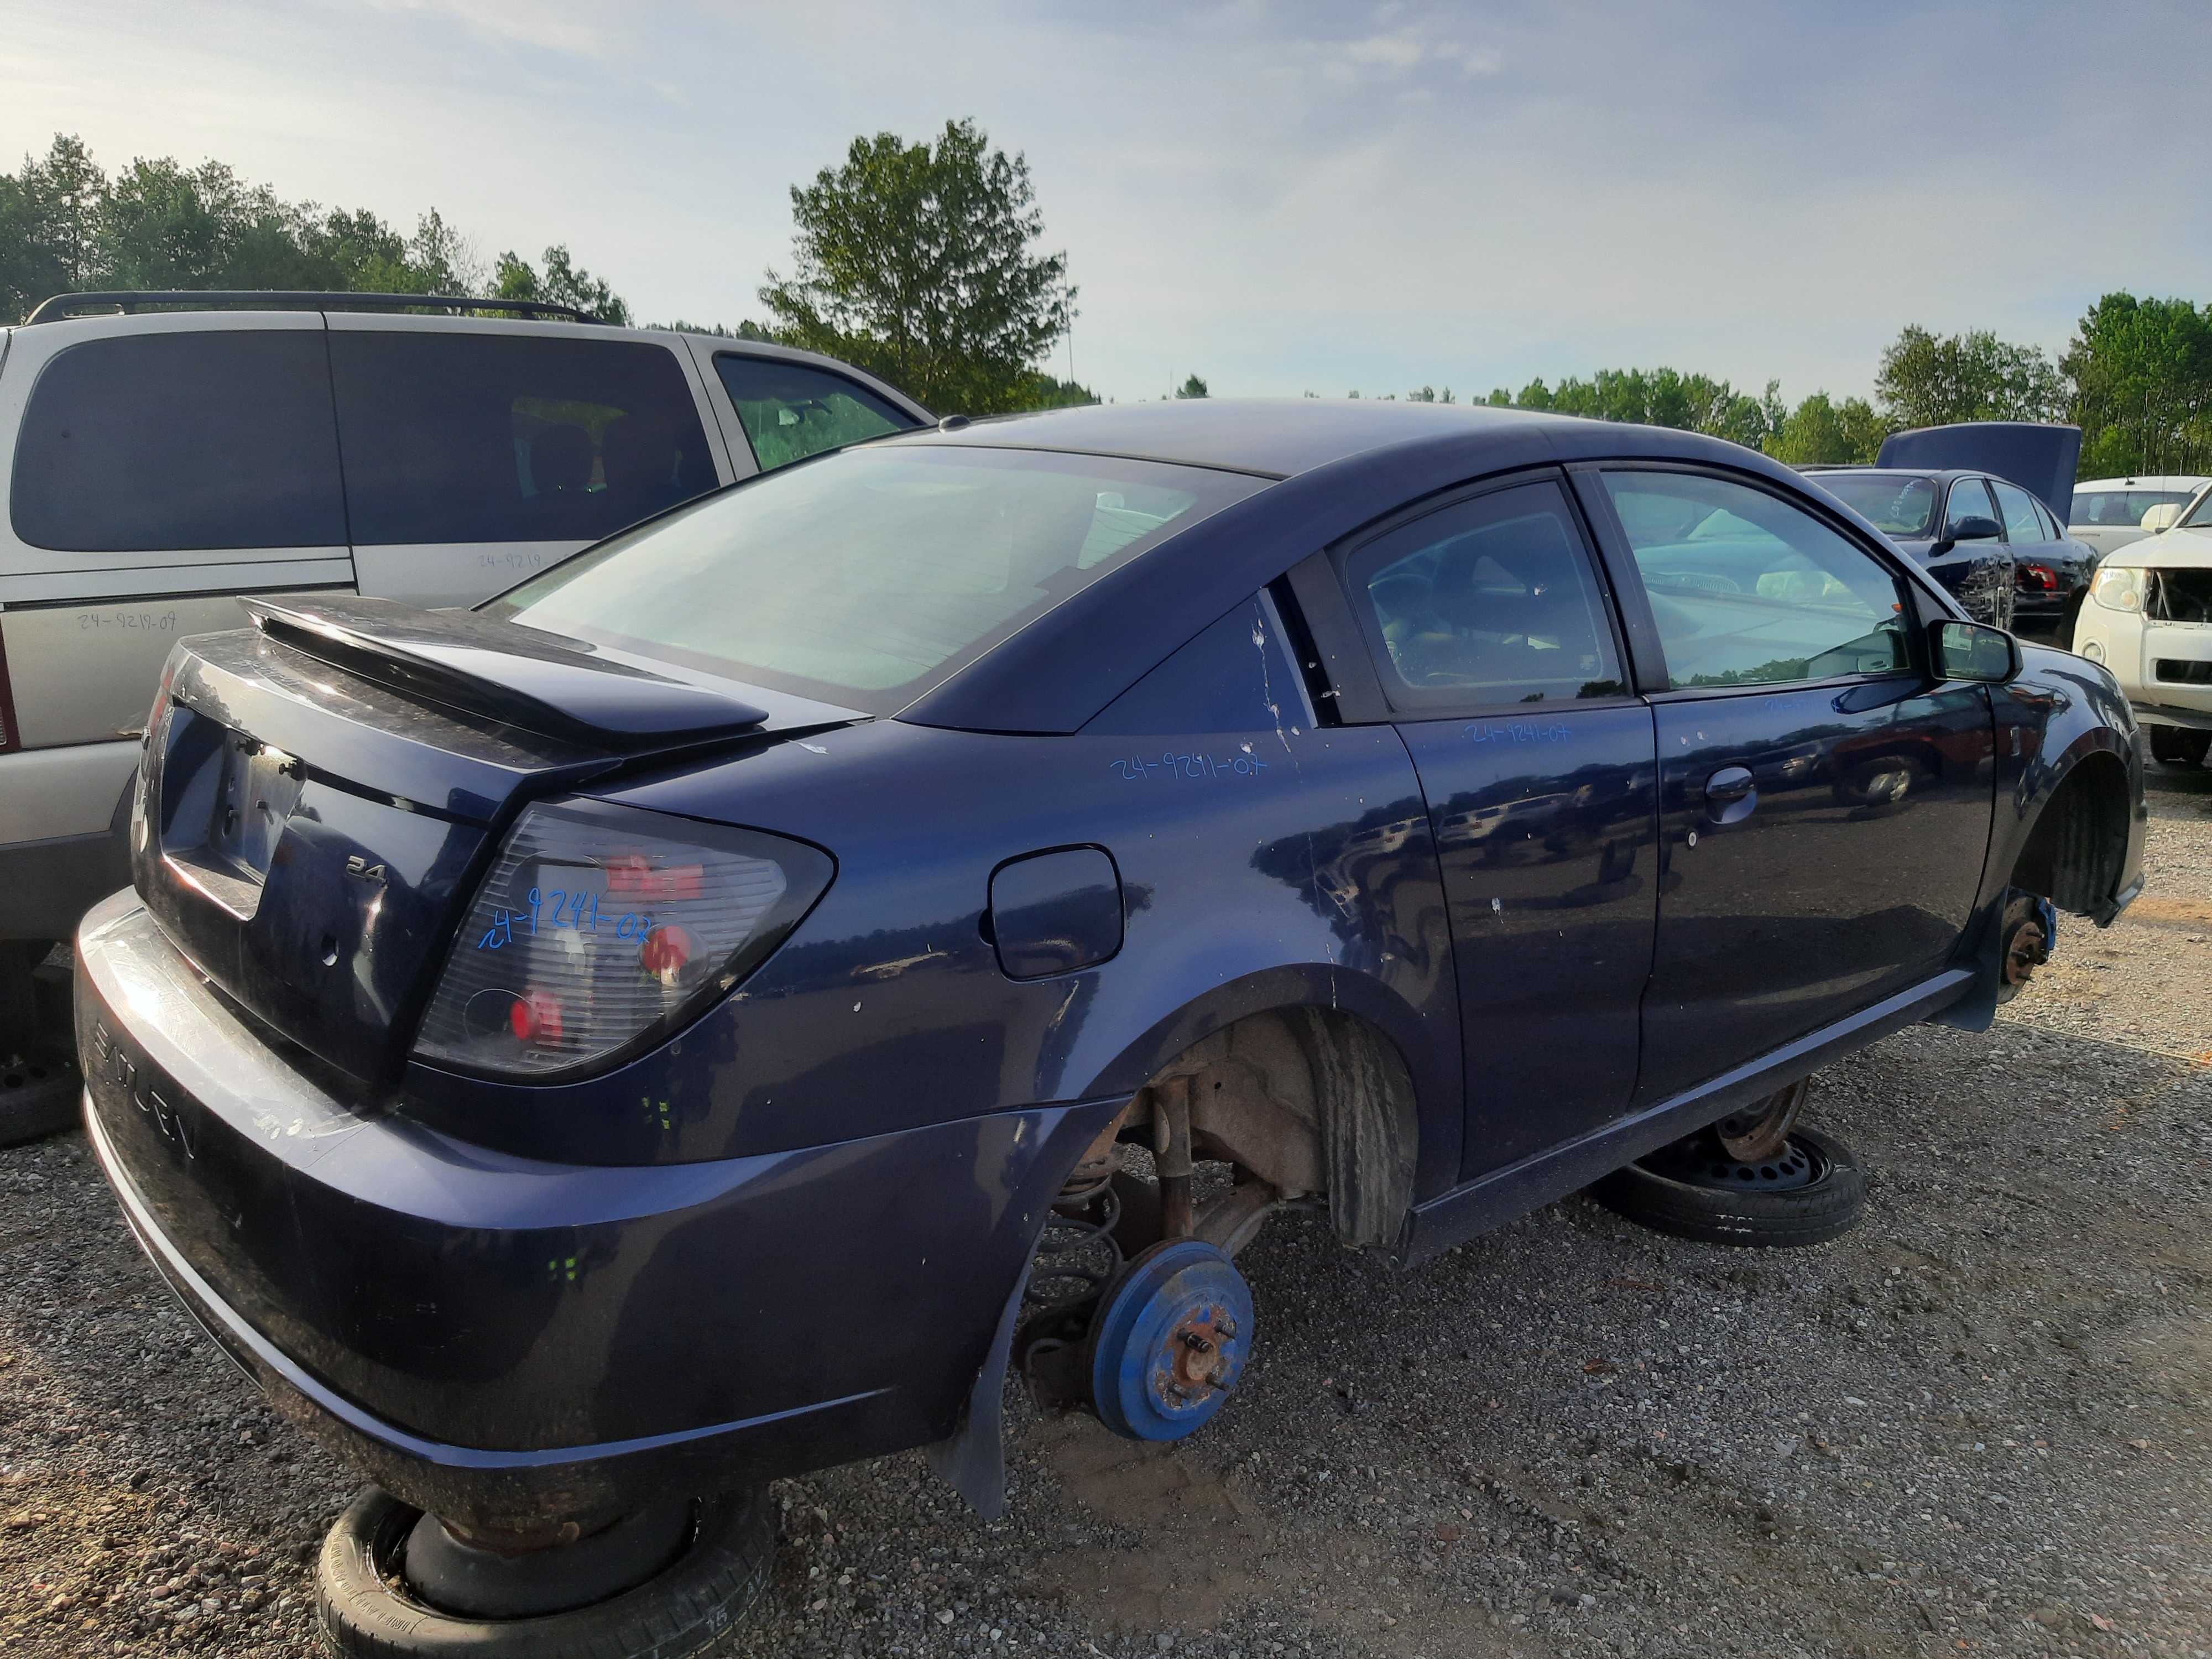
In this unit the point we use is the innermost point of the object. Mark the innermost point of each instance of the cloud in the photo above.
(1280, 196)
(577, 31)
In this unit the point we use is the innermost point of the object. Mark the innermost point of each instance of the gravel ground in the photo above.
(1977, 1425)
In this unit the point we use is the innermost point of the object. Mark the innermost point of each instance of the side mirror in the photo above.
(2163, 517)
(1973, 651)
(1975, 528)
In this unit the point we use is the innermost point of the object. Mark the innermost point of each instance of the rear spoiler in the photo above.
(2041, 459)
(521, 677)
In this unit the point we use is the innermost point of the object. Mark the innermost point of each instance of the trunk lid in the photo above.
(321, 793)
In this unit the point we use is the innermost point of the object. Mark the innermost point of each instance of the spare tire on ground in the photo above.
(1809, 1191)
(367, 1609)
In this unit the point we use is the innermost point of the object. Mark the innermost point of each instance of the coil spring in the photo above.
(1077, 1257)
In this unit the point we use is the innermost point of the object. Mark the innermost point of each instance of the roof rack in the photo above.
(127, 301)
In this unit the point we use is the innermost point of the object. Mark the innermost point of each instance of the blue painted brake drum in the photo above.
(1169, 1341)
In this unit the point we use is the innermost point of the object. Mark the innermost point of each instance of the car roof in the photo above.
(1339, 466)
(2147, 481)
(1934, 474)
(1273, 437)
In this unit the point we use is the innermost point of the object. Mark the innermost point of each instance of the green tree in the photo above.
(1045, 393)
(915, 262)
(65, 225)
(2141, 371)
(1193, 387)
(1931, 379)
(49, 226)
(1821, 431)
(562, 282)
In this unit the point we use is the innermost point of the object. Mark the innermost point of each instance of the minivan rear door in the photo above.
(150, 467)
(478, 452)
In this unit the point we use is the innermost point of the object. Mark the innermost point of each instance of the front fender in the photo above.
(2059, 711)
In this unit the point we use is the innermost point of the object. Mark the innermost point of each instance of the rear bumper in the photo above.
(511, 1343)
(45, 886)
(61, 846)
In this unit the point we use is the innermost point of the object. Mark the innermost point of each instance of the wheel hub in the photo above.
(1701, 1160)
(1761, 1134)
(1169, 1341)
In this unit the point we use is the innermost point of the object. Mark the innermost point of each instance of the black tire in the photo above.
(2176, 747)
(40, 1095)
(365, 1611)
(1830, 1206)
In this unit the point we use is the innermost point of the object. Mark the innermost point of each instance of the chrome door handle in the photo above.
(1728, 785)
(1730, 795)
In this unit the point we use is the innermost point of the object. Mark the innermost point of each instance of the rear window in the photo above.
(214, 440)
(2109, 509)
(792, 411)
(1893, 504)
(511, 438)
(865, 578)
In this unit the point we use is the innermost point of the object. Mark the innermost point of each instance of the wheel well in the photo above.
(1312, 1101)
(2074, 853)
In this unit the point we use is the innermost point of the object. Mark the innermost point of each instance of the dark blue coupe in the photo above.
(626, 1043)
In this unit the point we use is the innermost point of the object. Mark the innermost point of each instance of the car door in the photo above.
(1496, 656)
(478, 453)
(1824, 799)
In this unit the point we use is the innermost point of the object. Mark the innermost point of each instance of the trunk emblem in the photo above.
(363, 870)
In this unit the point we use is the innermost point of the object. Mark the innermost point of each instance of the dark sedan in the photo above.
(1997, 549)
(610, 1048)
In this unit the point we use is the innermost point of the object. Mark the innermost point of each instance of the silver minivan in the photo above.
(2108, 513)
(170, 453)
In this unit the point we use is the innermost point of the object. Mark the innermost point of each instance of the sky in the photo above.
(1279, 197)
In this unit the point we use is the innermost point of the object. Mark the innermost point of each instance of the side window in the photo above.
(791, 410)
(1969, 499)
(219, 439)
(1747, 589)
(2051, 532)
(507, 438)
(1492, 601)
(2018, 510)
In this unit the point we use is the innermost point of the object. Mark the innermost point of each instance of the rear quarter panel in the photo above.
(1263, 864)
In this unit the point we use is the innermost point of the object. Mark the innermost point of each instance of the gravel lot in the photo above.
(1979, 1423)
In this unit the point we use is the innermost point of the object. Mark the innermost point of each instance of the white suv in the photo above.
(159, 459)
(2149, 619)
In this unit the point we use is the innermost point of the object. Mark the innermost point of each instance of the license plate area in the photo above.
(226, 798)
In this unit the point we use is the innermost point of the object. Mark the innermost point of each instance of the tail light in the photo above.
(2039, 578)
(602, 929)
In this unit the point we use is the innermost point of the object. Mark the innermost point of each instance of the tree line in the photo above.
(922, 263)
(2137, 379)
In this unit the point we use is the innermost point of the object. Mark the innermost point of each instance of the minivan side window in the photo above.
(1489, 601)
(511, 438)
(2018, 510)
(219, 439)
(1747, 589)
(792, 411)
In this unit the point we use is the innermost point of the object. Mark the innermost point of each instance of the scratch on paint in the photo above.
(812, 748)
(1267, 686)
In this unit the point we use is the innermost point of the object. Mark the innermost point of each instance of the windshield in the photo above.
(866, 577)
(1894, 505)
